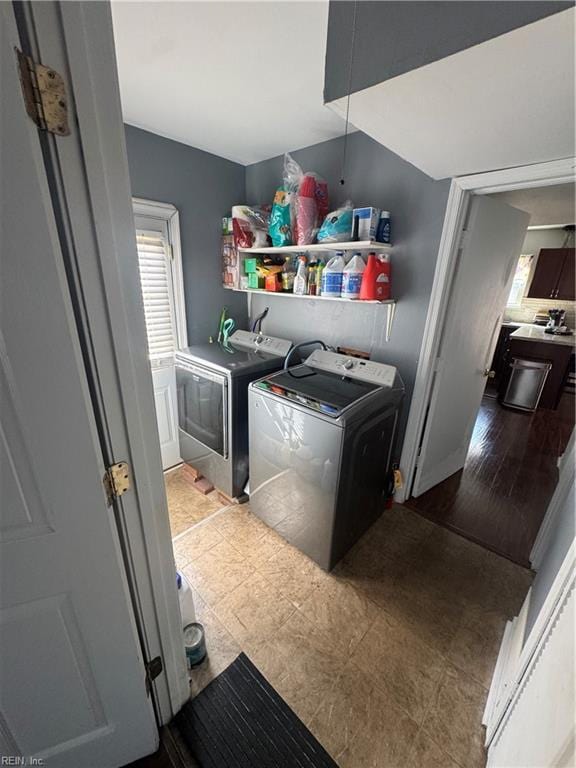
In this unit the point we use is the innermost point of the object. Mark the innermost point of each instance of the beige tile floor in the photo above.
(186, 505)
(388, 659)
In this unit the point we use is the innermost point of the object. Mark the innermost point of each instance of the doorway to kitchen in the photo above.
(499, 408)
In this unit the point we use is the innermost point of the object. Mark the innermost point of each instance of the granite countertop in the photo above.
(536, 333)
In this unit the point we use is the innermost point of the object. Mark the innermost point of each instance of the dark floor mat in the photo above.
(239, 721)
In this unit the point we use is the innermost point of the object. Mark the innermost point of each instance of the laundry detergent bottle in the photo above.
(376, 279)
(352, 277)
(332, 275)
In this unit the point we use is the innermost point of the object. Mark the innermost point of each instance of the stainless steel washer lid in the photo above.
(318, 390)
(228, 359)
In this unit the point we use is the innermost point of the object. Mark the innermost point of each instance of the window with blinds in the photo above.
(158, 294)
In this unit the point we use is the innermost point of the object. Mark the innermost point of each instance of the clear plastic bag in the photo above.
(250, 226)
(337, 226)
(309, 201)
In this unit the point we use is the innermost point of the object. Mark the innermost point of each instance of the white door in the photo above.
(164, 382)
(72, 681)
(155, 260)
(484, 273)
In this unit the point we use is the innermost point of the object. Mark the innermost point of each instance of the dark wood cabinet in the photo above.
(566, 287)
(500, 361)
(557, 354)
(554, 275)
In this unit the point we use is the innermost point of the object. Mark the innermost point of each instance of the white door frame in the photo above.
(91, 166)
(523, 177)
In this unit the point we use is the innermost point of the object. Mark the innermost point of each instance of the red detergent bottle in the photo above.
(376, 278)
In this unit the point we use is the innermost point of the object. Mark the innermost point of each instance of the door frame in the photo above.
(461, 190)
(91, 184)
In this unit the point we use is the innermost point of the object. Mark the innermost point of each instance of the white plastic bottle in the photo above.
(186, 600)
(352, 277)
(301, 279)
(332, 276)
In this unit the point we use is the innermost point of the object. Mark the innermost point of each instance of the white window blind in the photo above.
(157, 293)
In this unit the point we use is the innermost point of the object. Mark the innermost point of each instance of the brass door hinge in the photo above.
(117, 480)
(44, 95)
(154, 667)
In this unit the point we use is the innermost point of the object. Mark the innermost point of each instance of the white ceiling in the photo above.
(546, 205)
(243, 80)
(503, 103)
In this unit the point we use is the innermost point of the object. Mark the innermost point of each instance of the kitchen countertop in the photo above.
(536, 333)
(517, 323)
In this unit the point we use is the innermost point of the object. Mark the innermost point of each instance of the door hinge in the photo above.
(170, 251)
(463, 239)
(117, 480)
(154, 667)
(44, 95)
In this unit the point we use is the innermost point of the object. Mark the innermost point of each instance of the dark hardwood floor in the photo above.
(500, 497)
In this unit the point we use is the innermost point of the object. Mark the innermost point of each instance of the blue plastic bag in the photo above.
(337, 226)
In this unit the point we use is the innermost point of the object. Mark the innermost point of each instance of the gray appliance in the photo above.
(211, 384)
(321, 443)
(526, 382)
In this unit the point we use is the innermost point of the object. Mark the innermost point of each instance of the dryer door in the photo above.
(203, 406)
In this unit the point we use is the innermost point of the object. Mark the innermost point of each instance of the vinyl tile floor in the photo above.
(186, 505)
(387, 659)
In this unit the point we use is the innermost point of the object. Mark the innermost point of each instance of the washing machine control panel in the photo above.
(352, 367)
(255, 341)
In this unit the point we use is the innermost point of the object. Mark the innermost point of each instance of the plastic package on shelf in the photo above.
(306, 211)
(280, 228)
(250, 226)
(337, 226)
(305, 197)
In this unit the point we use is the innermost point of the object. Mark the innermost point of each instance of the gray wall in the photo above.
(396, 37)
(203, 187)
(417, 204)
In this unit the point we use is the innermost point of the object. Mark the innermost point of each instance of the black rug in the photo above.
(239, 721)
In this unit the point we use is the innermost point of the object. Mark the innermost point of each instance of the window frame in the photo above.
(168, 216)
(527, 282)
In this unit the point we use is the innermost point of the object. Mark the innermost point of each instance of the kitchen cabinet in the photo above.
(554, 275)
(540, 351)
(566, 288)
(500, 361)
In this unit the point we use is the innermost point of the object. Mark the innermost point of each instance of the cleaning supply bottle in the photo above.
(384, 233)
(301, 279)
(312, 279)
(376, 280)
(288, 275)
(332, 276)
(352, 277)
(319, 272)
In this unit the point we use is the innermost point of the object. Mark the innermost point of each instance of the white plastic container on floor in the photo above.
(186, 600)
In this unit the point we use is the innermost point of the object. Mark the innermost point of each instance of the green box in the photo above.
(250, 266)
(255, 281)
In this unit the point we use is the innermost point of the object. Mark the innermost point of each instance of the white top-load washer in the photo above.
(321, 446)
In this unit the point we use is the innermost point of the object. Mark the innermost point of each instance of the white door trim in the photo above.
(540, 174)
(565, 482)
(530, 648)
(169, 213)
(92, 162)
